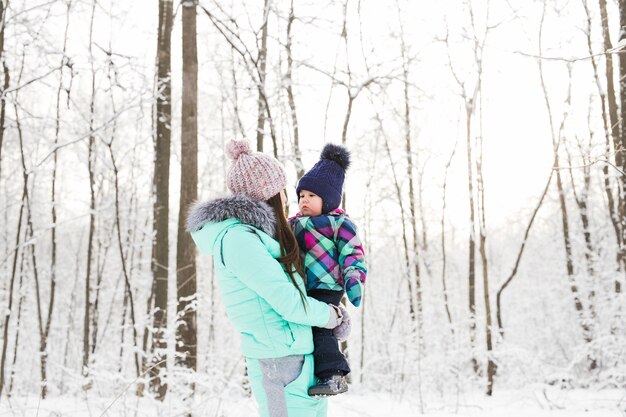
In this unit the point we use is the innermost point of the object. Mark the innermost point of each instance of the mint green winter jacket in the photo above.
(260, 299)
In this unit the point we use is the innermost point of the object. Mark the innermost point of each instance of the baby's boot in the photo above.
(331, 385)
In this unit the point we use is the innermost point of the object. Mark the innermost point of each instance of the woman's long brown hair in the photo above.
(289, 250)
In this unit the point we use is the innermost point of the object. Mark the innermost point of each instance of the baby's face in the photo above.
(310, 204)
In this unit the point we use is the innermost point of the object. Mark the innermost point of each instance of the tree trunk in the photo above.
(611, 130)
(482, 215)
(53, 239)
(123, 332)
(17, 326)
(148, 342)
(443, 243)
(5, 71)
(7, 314)
(292, 103)
(620, 158)
(70, 320)
(491, 366)
(581, 201)
(412, 210)
(405, 244)
(237, 123)
(91, 158)
(260, 127)
(102, 250)
(556, 141)
(29, 235)
(346, 120)
(610, 88)
(366, 241)
(569, 257)
(160, 243)
(129, 290)
(185, 256)
(519, 255)
(472, 235)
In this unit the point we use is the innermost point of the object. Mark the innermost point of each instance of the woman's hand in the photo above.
(336, 317)
(342, 331)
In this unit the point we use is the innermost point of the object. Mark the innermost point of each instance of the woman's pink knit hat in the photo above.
(253, 174)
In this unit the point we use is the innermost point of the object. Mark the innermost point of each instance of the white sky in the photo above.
(517, 141)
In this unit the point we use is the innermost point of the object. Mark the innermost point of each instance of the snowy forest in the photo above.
(488, 185)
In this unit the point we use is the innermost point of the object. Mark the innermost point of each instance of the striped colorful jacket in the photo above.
(333, 254)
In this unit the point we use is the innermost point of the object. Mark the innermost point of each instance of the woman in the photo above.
(259, 275)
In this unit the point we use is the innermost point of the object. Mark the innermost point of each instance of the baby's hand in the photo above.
(354, 290)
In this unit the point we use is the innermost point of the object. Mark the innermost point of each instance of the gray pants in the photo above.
(280, 387)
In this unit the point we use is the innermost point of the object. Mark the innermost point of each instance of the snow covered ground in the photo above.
(530, 402)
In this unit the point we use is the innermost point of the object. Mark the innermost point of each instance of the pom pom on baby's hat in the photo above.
(236, 148)
(336, 153)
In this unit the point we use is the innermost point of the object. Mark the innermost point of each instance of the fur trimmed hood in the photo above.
(248, 211)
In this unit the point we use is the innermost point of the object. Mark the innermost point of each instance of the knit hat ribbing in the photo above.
(254, 174)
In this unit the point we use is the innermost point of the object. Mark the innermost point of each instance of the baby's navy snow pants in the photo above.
(280, 387)
(328, 357)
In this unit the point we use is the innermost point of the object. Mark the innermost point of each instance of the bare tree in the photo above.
(104, 241)
(237, 124)
(18, 324)
(92, 205)
(229, 29)
(620, 156)
(28, 234)
(469, 100)
(482, 223)
(5, 72)
(520, 253)
(16, 253)
(290, 95)
(408, 150)
(368, 202)
(185, 249)
(262, 63)
(443, 241)
(582, 202)
(611, 129)
(118, 226)
(556, 140)
(472, 101)
(53, 239)
(405, 243)
(160, 243)
(7, 314)
(413, 326)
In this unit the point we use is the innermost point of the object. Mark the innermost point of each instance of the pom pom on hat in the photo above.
(236, 148)
(336, 153)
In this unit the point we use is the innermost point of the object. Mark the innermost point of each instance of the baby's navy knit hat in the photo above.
(326, 177)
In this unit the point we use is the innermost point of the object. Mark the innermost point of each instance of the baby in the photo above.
(333, 255)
